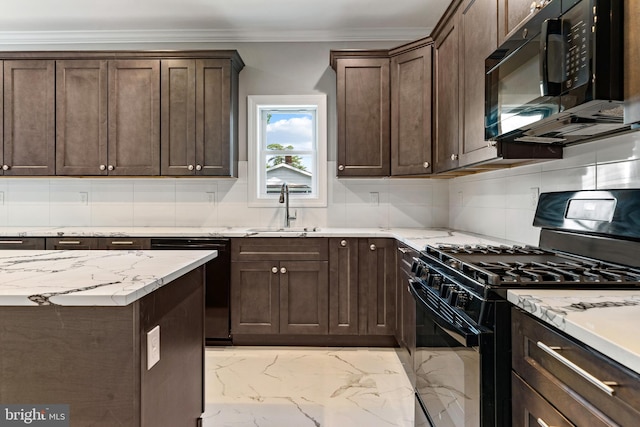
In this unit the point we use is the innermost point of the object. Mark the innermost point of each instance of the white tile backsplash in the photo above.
(497, 204)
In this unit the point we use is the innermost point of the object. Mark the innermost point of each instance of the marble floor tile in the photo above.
(303, 386)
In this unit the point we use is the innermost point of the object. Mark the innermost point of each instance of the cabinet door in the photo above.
(343, 286)
(178, 123)
(377, 272)
(479, 40)
(363, 117)
(213, 117)
(81, 117)
(411, 112)
(36, 243)
(29, 122)
(529, 408)
(447, 88)
(304, 297)
(510, 14)
(255, 297)
(134, 117)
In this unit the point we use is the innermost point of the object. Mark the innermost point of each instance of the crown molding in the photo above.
(22, 38)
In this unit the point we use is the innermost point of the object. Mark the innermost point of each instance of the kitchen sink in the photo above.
(283, 230)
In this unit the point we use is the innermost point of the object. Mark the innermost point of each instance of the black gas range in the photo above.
(589, 240)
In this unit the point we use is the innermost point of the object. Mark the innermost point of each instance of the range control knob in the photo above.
(445, 288)
(419, 270)
(434, 281)
(452, 297)
(414, 265)
(463, 299)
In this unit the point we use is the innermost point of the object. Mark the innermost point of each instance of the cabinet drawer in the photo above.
(582, 402)
(529, 409)
(36, 243)
(276, 249)
(124, 243)
(65, 243)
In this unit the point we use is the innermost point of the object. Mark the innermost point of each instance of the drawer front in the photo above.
(529, 409)
(583, 403)
(276, 249)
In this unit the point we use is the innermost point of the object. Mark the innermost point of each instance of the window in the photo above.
(287, 144)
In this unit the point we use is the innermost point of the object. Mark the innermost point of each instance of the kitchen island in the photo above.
(74, 330)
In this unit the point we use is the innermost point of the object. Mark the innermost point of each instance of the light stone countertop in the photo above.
(90, 278)
(605, 320)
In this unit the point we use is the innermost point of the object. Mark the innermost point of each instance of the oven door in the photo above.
(453, 366)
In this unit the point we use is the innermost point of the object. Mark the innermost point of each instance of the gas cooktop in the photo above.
(522, 266)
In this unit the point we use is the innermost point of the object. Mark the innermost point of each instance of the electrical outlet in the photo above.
(211, 197)
(84, 197)
(374, 198)
(534, 192)
(153, 347)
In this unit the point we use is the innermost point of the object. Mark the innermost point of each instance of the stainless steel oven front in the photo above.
(453, 360)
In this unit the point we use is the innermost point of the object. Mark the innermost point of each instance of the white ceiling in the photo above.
(217, 20)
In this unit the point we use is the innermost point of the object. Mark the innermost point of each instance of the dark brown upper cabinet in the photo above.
(29, 118)
(134, 117)
(511, 13)
(364, 125)
(198, 106)
(81, 117)
(411, 110)
(478, 40)
(447, 89)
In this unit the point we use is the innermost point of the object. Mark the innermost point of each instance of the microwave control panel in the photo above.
(577, 58)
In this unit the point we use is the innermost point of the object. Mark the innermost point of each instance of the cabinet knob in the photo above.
(110, 167)
(198, 167)
(340, 167)
(274, 270)
(103, 167)
(343, 243)
(5, 167)
(454, 157)
(283, 270)
(426, 165)
(190, 167)
(372, 247)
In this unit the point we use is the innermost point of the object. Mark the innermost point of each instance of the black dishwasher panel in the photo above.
(217, 286)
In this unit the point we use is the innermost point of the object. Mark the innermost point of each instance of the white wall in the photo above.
(501, 203)
(271, 68)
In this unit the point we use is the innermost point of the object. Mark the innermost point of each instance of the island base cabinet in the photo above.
(94, 358)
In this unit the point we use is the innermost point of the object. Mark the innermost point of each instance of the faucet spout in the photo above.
(284, 198)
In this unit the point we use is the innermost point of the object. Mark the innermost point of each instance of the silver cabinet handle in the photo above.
(103, 167)
(340, 167)
(198, 167)
(274, 270)
(343, 243)
(283, 270)
(605, 386)
(403, 250)
(541, 423)
(11, 242)
(122, 242)
(5, 167)
(454, 157)
(190, 167)
(68, 242)
(372, 247)
(110, 167)
(491, 144)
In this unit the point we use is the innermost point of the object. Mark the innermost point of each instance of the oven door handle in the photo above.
(468, 336)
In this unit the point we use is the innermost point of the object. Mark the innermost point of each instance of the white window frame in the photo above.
(255, 105)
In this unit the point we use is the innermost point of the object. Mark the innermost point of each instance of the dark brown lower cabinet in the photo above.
(343, 286)
(542, 378)
(102, 243)
(95, 358)
(285, 297)
(377, 283)
(36, 243)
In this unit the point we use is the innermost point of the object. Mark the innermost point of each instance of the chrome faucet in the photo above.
(284, 198)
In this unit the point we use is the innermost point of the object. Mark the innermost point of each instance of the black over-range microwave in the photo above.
(559, 78)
